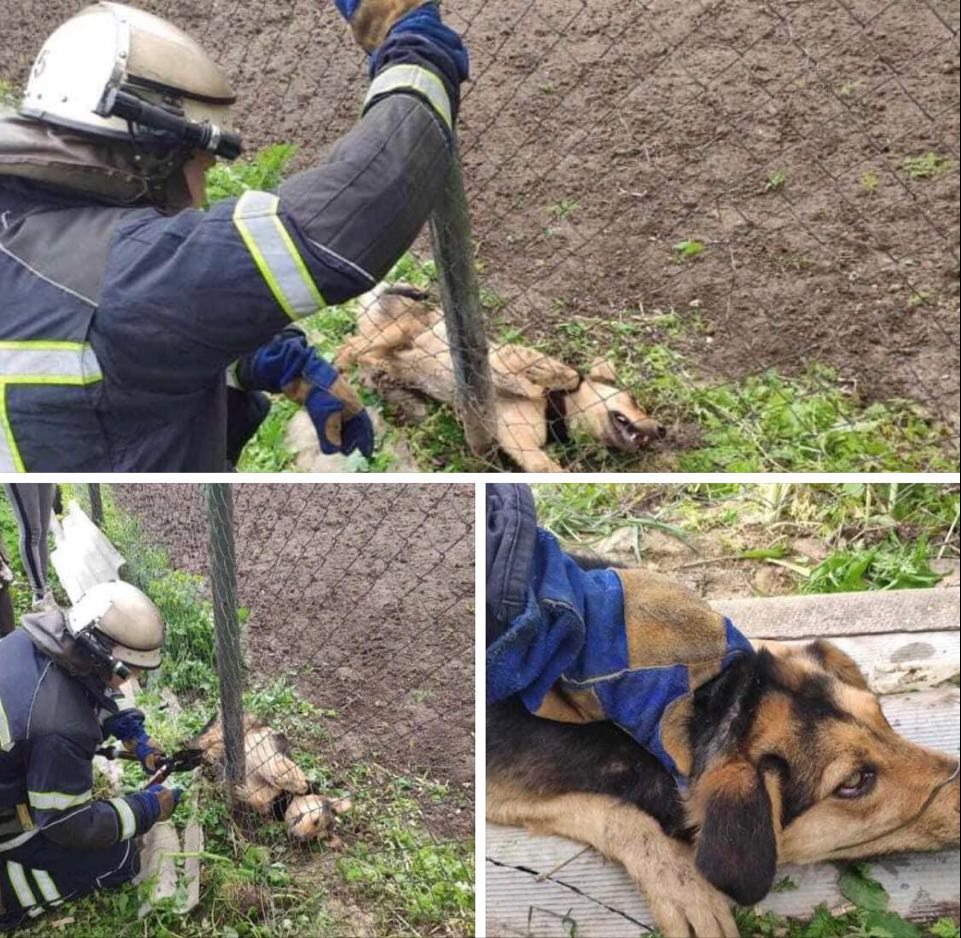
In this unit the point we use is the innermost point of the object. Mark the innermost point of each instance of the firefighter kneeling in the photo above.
(59, 699)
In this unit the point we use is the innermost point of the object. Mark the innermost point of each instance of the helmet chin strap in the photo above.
(927, 804)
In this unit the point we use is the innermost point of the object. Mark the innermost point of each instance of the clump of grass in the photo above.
(265, 170)
(775, 181)
(9, 96)
(870, 181)
(564, 208)
(689, 249)
(928, 165)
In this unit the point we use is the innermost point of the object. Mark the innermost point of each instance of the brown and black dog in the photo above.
(402, 348)
(274, 785)
(793, 762)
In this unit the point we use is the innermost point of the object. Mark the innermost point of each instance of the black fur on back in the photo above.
(550, 758)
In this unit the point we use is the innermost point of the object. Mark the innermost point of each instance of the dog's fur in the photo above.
(274, 785)
(774, 738)
(402, 346)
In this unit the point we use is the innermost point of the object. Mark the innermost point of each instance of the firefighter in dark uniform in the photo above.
(138, 332)
(59, 698)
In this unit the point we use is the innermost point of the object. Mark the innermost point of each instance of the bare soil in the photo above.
(364, 596)
(596, 136)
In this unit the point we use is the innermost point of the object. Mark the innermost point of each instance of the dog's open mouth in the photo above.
(631, 435)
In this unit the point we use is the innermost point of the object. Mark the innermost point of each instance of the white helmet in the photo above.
(110, 49)
(122, 620)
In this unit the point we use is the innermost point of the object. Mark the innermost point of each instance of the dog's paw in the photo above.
(683, 902)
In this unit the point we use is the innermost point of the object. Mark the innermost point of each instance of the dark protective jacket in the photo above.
(581, 645)
(119, 323)
(51, 723)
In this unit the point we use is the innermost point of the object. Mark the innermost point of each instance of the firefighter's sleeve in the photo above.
(211, 286)
(60, 797)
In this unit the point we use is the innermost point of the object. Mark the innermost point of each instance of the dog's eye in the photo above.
(621, 419)
(857, 784)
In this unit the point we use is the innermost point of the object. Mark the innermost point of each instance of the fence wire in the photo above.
(353, 624)
(741, 215)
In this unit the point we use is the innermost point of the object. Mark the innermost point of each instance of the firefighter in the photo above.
(127, 312)
(60, 675)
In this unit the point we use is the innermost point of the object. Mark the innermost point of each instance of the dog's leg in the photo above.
(521, 442)
(682, 901)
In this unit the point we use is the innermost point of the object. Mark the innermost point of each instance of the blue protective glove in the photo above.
(290, 365)
(279, 362)
(373, 20)
(163, 800)
(337, 413)
(128, 727)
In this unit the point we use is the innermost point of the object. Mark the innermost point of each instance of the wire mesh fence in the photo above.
(737, 221)
(343, 617)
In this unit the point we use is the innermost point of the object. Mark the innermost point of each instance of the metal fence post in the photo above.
(223, 577)
(96, 504)
(454, 255)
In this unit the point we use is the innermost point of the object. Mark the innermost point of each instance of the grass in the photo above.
(775, 181)
(254, 882)
(875, 536)
(865, 916)
(688, 250)
(929, 165)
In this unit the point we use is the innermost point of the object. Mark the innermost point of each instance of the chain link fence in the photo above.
(344, 616)
(747, 210)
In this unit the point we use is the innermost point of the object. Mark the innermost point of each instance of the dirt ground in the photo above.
(364, 595)
(597, 136)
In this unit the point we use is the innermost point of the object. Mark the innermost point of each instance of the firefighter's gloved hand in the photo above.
(371, 20)
(337, 413)
(150, 753)
(167, 800)
(278, 363)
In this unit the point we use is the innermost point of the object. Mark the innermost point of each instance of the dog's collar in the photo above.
(557, 429)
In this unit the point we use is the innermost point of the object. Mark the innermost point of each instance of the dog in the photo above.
(401, 346)
(792, 761)
(274, 785)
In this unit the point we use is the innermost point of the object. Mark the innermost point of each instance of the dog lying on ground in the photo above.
(401, 346)
(274, 785)
(792, 761)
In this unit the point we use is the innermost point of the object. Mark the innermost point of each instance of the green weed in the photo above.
(890, 565)
(929, 165)
(688, 250)
(9, 95)
(775, 181)
(264, 170)
(870, 181)
(564, 208)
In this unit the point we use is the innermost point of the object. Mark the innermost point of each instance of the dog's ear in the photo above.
(737, 842)
(836, 663)
(342, 805)
(602, 369)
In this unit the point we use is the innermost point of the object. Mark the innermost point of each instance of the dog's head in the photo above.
(794, 761)
(311, 816)
(608, 413)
